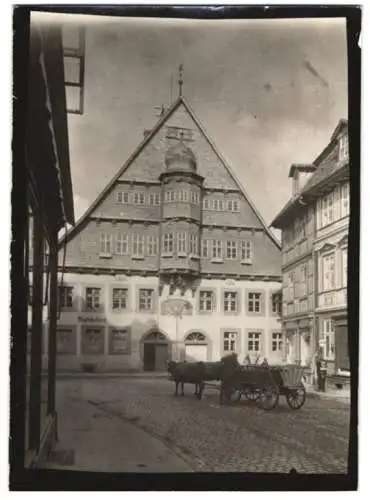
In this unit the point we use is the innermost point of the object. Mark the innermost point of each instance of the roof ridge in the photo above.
(124, 167)
(230, 171)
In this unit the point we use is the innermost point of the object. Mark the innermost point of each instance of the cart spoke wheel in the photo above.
(269, 397)
(252, 395)
(296, 398)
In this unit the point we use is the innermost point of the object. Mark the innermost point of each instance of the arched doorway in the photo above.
(155, 351)
(196, 347)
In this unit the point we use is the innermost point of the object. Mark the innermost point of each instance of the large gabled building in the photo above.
(314, 226)
(171, 261)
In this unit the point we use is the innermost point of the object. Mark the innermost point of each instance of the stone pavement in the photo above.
(339, 395)
(207, 436)
(101, 442)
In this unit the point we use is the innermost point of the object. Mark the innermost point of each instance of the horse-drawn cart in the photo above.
(264, 385)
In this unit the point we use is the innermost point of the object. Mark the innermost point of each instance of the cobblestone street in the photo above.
(227, 438)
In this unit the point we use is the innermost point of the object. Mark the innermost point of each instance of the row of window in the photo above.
(333, 206)
(146, 297)
(92, 341)
(181, 195)
(138, 198)
(180, 242)
(230, 342)
(332, 275)
(330, 208)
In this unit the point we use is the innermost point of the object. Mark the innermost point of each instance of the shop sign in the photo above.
(91, 319)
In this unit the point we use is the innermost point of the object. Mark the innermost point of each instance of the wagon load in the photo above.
(264, 384)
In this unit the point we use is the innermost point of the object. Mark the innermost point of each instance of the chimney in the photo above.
(300, 175)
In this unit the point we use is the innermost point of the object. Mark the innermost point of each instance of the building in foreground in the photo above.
(314, 226)
(44, 208)
(171, 261)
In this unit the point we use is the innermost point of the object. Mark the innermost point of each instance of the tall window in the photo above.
(93, 297)
(327, 211)
(233, 205)
(329, 338)
(194, 197)
(328, 272)
(194, 244)
(344, 195)
(254, 302)
(139, 198)
(253, 342)
(343, 147)
(206, 301)
(206, 204)
(168, 243)
(246, 250)
(146, 299)
(170, 196)
(154, 199)
(122, 244)
(277, 341)
(218, 205)
(236, 207)
(152, 245)
(344, 267)
(276, 303)
(105, 243)
(65, 296)
(231, 252)
(137, 245)
(119, 298)
(183, 195)
(216, 249)
(123, 197)
(230, 341)
(230, 301)
(181, 242)
(205, 249)
(303, 280)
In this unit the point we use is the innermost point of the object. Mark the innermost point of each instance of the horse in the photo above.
(188, 373)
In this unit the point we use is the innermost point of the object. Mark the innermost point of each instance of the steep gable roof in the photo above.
(148, 137)
(326, 166)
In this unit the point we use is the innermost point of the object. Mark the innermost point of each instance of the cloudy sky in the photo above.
(269, 92)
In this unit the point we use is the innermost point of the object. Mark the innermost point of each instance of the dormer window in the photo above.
(343, 148)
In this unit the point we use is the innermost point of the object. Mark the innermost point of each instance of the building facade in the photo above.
(171, 261)
(314, 226)
(47, 202)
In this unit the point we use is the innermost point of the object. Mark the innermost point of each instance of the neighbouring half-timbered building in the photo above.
(171, 261)
(314, 226)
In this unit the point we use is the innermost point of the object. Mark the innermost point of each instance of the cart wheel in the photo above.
(296, 398)
(252, 395)
(269, 397)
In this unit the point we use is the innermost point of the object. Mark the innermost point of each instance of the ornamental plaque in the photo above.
(177, 307)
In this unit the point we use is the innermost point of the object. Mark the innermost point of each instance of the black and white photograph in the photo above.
(184, 282)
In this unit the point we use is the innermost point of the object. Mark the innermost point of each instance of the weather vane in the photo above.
(181, 81)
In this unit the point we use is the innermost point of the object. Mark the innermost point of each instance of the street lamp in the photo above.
(179, 309)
